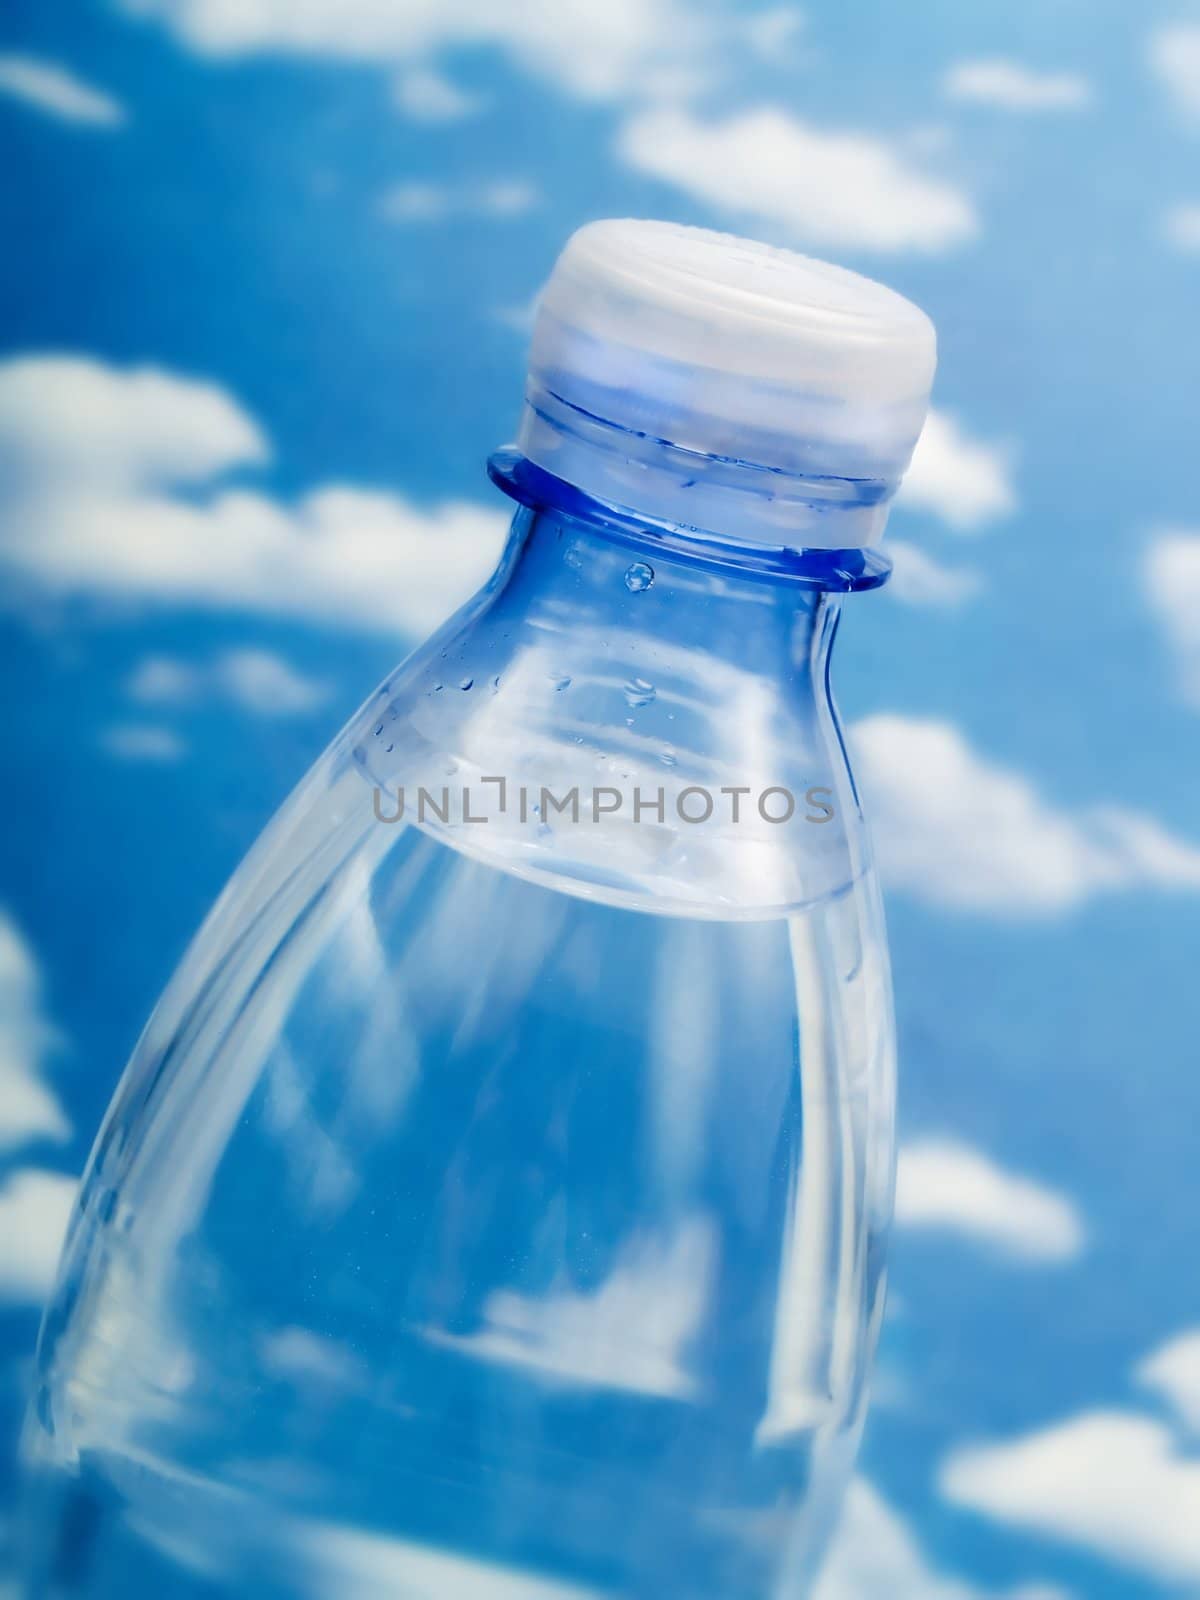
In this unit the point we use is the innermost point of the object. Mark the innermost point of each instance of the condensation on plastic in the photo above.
(717, 383)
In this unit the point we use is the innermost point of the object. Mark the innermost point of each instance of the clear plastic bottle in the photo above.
(495, 1205)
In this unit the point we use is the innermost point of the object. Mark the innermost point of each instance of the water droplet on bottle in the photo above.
(496, 684)
(437, 688)
(573, 558)
(560, 681)
(466, 683)
(639, 692)
(638, 577)
(668, 757)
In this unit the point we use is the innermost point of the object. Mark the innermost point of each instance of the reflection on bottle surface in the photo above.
(472, 1237)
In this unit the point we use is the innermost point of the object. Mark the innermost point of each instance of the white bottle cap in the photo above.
(700, 379)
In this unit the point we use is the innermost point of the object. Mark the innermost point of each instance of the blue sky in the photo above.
(265, 285)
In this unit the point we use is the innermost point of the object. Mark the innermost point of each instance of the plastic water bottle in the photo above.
(495, 1205)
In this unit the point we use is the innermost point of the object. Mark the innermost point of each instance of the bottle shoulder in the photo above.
(645, 773)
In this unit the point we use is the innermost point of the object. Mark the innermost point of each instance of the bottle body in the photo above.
(496, 1202)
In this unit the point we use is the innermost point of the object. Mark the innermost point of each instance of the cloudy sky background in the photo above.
(267, 274)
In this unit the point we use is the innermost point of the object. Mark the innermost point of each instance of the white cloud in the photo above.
(959, 832)
(918, 579)
(301, 1357)
(874, 1556)
(1173, 1371)
(341, 1562)
(942, 1184)
(1175, 58)
(257, 680)
(365, 560)
(143, 741)
(773, 33)
(264, 682)
(596, 49)
(431, 202)
(1181, 227)
(1171, 579)
(414, 201)
(424, 95)
(94, 460)
(1010, 86)
(69, 419)
(34, 1208)
(58, 92)
(29, 1109)
(509, 197)
(520, 318)
(165, 681)
(630, 1332)
(843, 190)
(1110, 1482)
(955, 477)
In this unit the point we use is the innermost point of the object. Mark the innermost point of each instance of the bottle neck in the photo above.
(735, 623)
(641, 592)
(825, 565)
(671, 690)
